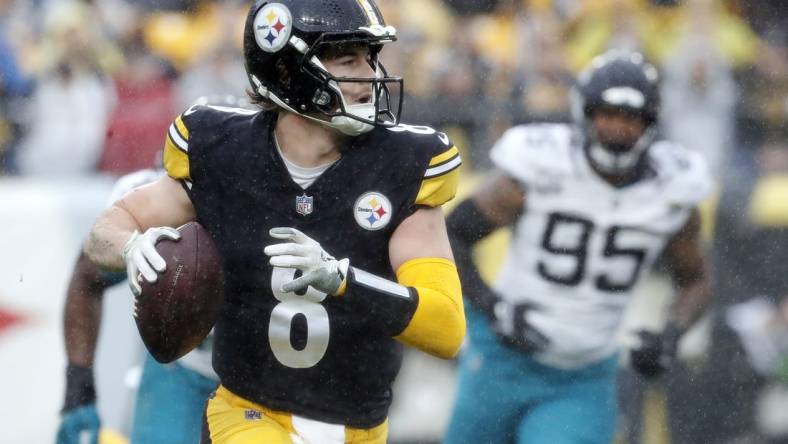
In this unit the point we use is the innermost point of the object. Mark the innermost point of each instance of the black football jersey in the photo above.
(310, 354)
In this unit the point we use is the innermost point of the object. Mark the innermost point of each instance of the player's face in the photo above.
(352, 62)
(616, 129)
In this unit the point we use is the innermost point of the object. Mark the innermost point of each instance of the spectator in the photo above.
(68, 111)
(219, 72)
(183, 37)
(542, 81)
(219, 69)
(14, 85)
(146, 102)
(699, 96)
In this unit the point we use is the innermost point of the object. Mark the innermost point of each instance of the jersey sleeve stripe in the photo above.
(443, 168)
(176, 161)
(181, 127)
(177, 140)
(444, 156)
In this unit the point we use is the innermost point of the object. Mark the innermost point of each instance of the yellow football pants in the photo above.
(234, 420)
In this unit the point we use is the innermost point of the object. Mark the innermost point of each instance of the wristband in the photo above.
(80, 387)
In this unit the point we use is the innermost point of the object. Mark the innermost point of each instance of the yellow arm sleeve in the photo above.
(438, 325)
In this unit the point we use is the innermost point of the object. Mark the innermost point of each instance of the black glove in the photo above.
(656, 351)
(510, 323)
(80, 388)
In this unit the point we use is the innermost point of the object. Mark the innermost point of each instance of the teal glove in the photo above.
(79, 426)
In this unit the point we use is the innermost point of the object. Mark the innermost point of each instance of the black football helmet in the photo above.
(283, 42)
(621, 81)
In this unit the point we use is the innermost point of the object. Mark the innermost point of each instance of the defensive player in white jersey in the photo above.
(170, 398)
(592, 206)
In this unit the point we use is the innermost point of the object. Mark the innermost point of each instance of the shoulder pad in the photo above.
(525, 151)
(200, 116)
(423, 139)
(438, 159)
(131, 181)
(684, 172)
(198, 122)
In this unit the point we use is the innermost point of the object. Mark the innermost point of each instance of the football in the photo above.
(175, 313)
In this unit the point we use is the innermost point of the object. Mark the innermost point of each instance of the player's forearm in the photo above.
(423, 309)
(693, 299)
(82, 313)
(108, 237)
(466, 226)
(690, 274)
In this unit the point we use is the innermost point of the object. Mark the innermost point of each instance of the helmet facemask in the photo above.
(618, 158)
(617, 155)
(328, 101)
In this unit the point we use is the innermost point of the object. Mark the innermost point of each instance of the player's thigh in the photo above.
(586, 415)
(486, 409)
(225, 423)
(170, 403)
(230, 419)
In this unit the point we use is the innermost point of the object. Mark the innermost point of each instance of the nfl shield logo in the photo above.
(304, 205)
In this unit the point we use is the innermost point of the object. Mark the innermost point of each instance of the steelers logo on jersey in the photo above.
(272, 27)
(372, 211)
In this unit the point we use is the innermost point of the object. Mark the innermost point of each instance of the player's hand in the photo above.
(319, 269)
(80, 422)
(79, 426)
(141, 257)
(656, 352)
(510, 322)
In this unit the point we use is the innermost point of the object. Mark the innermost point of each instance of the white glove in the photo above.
(141, 257)
(320, 270)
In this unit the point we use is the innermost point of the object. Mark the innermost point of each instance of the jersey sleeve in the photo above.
(699, 182)
(690, 181)
(525, 152)
(176, 150)
(441, 176)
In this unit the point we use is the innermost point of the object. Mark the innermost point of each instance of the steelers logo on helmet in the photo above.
(272, 27)
(372, 211)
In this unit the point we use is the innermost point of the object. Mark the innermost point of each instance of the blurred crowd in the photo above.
(90, 86)
(123, 68)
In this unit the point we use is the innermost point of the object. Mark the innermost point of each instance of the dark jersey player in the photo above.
(307, 346)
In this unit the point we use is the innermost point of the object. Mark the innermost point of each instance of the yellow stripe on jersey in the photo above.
(441, 179)
(179, 134)
(176, 161)
(438, 325)
(768, 203)
(443, 157)
(182, 128)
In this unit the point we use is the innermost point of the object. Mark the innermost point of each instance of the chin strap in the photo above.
(351, 126)
(344, 124)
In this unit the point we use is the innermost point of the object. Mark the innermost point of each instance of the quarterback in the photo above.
(327, 214)
(592, 206)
